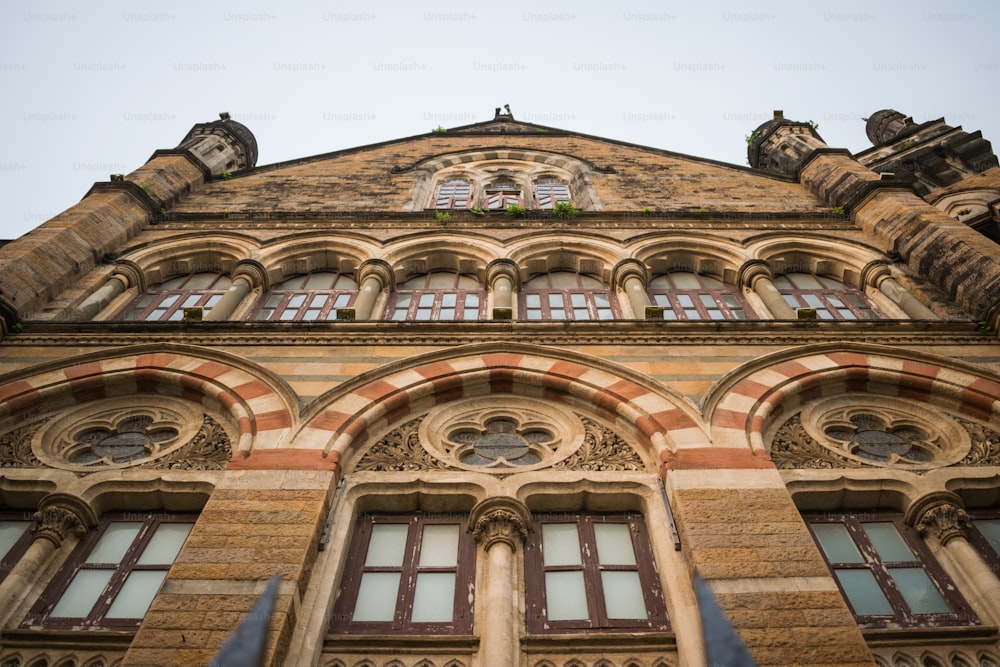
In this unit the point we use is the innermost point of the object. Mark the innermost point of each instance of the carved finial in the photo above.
(945, 522)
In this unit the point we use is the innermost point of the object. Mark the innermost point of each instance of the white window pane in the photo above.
(114, 542)
(578, 300)
(707, 300)
(565, 597)
(296, 301)
(805, 281)
(200, 281)
(533, 300)
(345, 282)
(557, 314)
(685, 301)
(403, 300)
(590, 282)
(563, 279)
(318, 300)
(191, 301)
(399, 315)
(534, 314)
(714, 314)
(387, 544)
(661, 300)
(173, 283)
(441, 280)
(423, 314)
(449, 300)
(162, 549)
(836, 543)
(661, 281)
(212, 300)
(560, 544)
(434, 597)
(320, 280)
(468, 282)
(175, 316)
(10, 532)
(711, 282)
(614, 544)
(136, 594)
(824, 314)
(605, 314)
(169, 300)
(82, 593)
(377, 596)
(601, 300)
(311, 314)
(782, 283)
(426, 300)
(581, 314)
(990, 528)
(555, 300)
(623, 595)
(446, 314)
(919, 591)
(471, 302)
(830, 283)
(888, 542)
(684, 280)
(156, 315)
(813, 301)
(342, 300)
(439, 546)
(864, 593)
(669, 314)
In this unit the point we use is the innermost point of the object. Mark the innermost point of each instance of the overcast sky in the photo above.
(94, 88)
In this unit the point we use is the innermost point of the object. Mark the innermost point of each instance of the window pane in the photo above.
(136, 594)
(82, 593)
(471, 302)
(805, 281)
(581, 314)
(888, 542)
(565, 597)
(560, 544)
(10, 532)
(684, 280)
(449, 300)
(533, 300)
(191, 301)
(165, 544)
(556, 300)
(434, 597)
(711, 282)
(342, 300)
(605, 314)
(990, 528)
(399, 315)
(837, 543)
(445, 314)
(813, 301)
(288, 315)
(200, 281)
(614, 544)
(864, 593)
(439, 546)
(920, 593)
(441, 280)
(403, 300)
(377, 596)
(311, 314)
(169, 300)
(707, 300)
(661, 300)
(296, 301)
(426, 300)
(685, 301)
(318, 300)
(578, 300)
(114, 542)
(387, 544)
(601, 300)
(623, 595)
(423, 315)
(557, 314)
(320, 280)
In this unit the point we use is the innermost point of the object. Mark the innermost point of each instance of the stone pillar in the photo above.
(500, 525)
(501, 276)
(878, 276)
(124, 276)
(374, 276)
(756, 274)
(54, 524)
(948, 523)
(630, 276)
(247, 275)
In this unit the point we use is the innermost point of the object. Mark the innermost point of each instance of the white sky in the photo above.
(93, 88)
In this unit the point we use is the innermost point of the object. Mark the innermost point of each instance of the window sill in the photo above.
(90, 640)
(625, 639)
(883, 637)
(404, 642)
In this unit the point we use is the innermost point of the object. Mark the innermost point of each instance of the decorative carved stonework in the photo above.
(985, 450)
(209, 449)
(400, 450)
(945, 522)
(793, 447)
(55, 524)
(15, 446)
(602, 450)
(500, 525)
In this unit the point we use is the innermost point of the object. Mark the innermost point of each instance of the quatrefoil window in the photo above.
(872, 437)
(132, 438)
(502, 441)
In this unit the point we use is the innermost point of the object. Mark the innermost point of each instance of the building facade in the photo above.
(492, 395)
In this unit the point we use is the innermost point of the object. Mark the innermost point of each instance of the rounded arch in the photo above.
(715, 257)
(831, 256)
(260, 406)
(748, 400)
(456, 252)
(189, 253)
(657, 417)
(289, 257)
(585, 254)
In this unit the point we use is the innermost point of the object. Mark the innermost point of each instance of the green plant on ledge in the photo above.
(983, 327)
(439, 129)
(515, 211)
(226, 175)
(148, 190)
(838, 210)
(564, 209)
(442, 217)
(646, 210)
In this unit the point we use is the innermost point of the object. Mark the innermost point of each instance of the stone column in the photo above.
(53, 525)
(630, 276)
(374, 276)
(756, 274)
(247, 275)
(124, 276)
(949, 525)
(500, 525)
(501, 276)
(878, 276)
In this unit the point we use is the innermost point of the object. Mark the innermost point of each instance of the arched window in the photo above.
(166, 302)
(832, 299)
(439, 295)
(454, 193)
(501, 194)
(685, 295)
(310, 296)
(549, 192)
(566, 295)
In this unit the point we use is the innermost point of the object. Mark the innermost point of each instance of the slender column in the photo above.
(756, 274)
(373, 276)
(247, 275)
(878, 276)
(501, 276)
(124, 276)
(500, 525)
(629, 275)
(949, 524)
(53, 526)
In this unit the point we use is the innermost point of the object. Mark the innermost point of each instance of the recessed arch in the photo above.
(189, 253)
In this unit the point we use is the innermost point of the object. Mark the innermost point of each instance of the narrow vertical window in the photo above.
(15, 537)
(549, 192)
(501, 194)
(454, 193)
(985, 536)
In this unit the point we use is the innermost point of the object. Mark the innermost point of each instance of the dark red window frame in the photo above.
(9, 559)
(428, 304)
(454, 193)
(539, 303)
(177, 297)
(341, 621)
(549, 192)
(289, 296)
(989, 554)
(689, 304)
(834, 301)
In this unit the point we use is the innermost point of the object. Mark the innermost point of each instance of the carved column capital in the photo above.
(629, 268)
(500, 520)
(945, 521)
(55, 524)
(378, 269)
(254, 273)
(751, 270)
(873, 273)
(130, 273)
(502, 268)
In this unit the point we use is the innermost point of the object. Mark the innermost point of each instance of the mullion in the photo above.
(878, 568)
(124, 568)
(592, 580)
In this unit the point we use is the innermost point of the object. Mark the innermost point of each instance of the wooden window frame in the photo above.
(535, 569)
(327, 312)
(10, 559)
(548, 199)
(40, 614)
(507, 196)
(961, 613)
(545, 307)
(989, 555)
(207, 298)
(341, 621)
(447, 197)
(796, 298)
(718, 295)
(437, 295)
